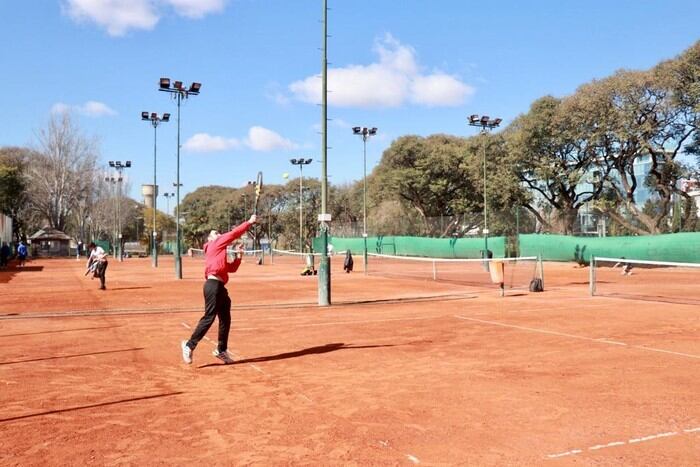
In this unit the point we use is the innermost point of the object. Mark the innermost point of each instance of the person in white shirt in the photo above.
(97, 263)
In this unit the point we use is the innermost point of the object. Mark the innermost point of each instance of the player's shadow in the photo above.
(58, 357)
(90, 406)
(320, 349)
(7, 274)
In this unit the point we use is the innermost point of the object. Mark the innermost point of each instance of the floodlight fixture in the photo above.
(484, 119)
(373, 131)
(495, 122)
(111, 163)
(166, 117)
(128, 164)
(293, 161)
(195, 87)
(178, 85)
(356, 130)
(144, 116)
(165, 83)
(473, 118)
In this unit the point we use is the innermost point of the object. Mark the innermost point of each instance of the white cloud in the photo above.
(60, 108)
(259, 139)
(203, 142)
(197, 8)
(120, 16)
(439, 90)
(96, 109)
(262, 139)
(391, 82)
(89, 109)
(116, 16)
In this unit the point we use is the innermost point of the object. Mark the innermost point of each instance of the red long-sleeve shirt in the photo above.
(215, 254)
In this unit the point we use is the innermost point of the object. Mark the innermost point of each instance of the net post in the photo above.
(591, 280)
(434, 271)
(541, 265)
(364, 235)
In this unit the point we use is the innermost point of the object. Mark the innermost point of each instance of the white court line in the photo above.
(666, 351)
(541, 331)
(622, 443)
(413, 459)
(574, 336)
(567, 453)
(609, 445)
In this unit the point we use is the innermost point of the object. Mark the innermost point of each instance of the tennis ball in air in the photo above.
(285, 175)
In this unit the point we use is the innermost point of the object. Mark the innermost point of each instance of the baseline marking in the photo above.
(622, 443)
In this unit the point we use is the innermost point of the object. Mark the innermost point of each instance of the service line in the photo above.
(574, 336)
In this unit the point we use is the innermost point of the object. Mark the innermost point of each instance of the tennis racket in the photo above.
(258, 190)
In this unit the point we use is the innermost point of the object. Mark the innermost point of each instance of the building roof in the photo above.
(49, 234)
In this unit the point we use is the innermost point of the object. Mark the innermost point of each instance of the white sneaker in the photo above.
(223, 356)
(186, 352)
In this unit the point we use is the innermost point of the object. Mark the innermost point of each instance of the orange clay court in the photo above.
(398, 371)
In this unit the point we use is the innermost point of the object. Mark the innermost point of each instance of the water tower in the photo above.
(148, 192)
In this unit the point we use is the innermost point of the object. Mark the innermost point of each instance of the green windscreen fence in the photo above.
(679, 247)
(418, 246)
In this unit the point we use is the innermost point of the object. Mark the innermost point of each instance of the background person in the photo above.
(22, 253)
(4, 254)
(97, 263)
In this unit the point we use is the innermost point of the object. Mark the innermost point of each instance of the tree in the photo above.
(428, 175)
(13, 187)
(62, 171)
(639, 118)
(556, 159)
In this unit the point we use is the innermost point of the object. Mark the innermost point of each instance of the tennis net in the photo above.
(513, 273)
(199, 253)
(295, 257)
(645, 280)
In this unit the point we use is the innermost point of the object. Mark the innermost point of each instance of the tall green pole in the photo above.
(486, 227)
(155, 194)
(324, 272)
(301, 208)
(364, 202)
(178, 259)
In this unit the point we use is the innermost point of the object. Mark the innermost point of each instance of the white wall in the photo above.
(5, 229)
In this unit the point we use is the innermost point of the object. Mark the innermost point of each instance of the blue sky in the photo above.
(406, 67)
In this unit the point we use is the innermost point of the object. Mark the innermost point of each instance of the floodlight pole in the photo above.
(180, 92)
(365, 133)
(119, 166)
(155, 121)
(167, 202)
(324, 271)
(301, 163)
(486, 124)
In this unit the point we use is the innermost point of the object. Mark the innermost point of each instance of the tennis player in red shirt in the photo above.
(216, 299)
